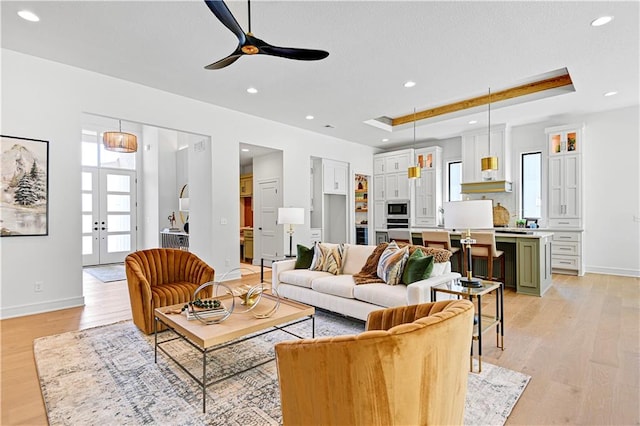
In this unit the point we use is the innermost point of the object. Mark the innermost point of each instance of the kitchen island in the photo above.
(527, 256)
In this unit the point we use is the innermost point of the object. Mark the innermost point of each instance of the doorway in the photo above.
(108, 215)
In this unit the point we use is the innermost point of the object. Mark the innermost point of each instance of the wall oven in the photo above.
(397, 214)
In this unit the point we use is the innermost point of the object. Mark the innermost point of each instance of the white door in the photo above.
(269, 199)
(108, 215)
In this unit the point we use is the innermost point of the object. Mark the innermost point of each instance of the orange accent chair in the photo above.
(409, 367)
(162, 277)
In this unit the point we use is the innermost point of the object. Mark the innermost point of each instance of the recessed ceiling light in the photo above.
(309, 117)
(409, 83)
(245, 150)
(28, 16)
(385, 140)
(612, 93)
(473, 121)
(252, 90)
(603, 20)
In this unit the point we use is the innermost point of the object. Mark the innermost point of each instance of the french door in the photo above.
(108, 215)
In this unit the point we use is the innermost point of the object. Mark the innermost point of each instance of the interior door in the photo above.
(108, 215)
(269, 199)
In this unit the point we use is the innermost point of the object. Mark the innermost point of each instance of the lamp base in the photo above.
(470, 282)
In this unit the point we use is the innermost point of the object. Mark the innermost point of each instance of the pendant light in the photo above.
(489, 164)
(120, 141)
(414, 172)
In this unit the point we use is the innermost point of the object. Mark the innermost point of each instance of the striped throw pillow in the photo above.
(391, 263)
(327, 258)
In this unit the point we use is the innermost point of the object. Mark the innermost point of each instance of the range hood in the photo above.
(486, 186)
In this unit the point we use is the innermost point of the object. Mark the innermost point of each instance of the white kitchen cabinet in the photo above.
(379, 215)
(566, 252)
(428, 192)
(475, 146)
(378, 188)
(565, 177)
(397, 186)
(398, 162)
(378, 165)
(334, 177)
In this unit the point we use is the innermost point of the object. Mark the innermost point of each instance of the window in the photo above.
(531, 192)
(455, 180)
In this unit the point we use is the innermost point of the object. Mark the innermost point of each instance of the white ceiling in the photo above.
(452, 50)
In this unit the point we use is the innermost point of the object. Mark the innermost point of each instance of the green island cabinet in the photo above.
(533, 257)
(527, 259)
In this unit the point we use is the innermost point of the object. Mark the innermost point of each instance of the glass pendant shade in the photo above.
(120, 141)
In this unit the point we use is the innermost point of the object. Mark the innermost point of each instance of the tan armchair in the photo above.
(162, 277)
(409, 367)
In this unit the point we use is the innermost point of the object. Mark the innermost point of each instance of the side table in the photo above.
(484, 322)
(272, 259)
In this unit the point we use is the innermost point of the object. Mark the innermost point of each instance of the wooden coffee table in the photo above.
(235, 329)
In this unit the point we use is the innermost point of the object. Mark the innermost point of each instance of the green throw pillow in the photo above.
(418, 268)
(305, 256)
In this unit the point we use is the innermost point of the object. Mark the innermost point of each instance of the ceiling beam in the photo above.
(503, 95)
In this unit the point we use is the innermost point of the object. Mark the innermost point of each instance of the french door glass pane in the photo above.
(87, 246)
(87, 181)
(118, 243)
(118, 183)
(86, 223)
(89, 154)
(455, 181)
(119, 222)
(118, 203)
(87, 203)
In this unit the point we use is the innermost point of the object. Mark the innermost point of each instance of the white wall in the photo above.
(45, 100)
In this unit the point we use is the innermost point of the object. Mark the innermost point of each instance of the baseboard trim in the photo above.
(41, 307)
(613, 271)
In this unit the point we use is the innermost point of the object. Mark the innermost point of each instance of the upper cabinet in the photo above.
(391, 181)
(246, 185)
(565, 176)
(334, 177)
(428, 193)
(475, 146)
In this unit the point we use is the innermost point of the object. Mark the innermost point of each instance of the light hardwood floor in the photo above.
(580, 343)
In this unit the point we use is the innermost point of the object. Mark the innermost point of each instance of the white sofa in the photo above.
(339, 293)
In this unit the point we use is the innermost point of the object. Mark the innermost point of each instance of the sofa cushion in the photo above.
(337, 285)
(382, 294)
(355, 256)
(439, 268)
(328, 258)
(418, 267)
(301, 277)
(391, 263)
(305, 257)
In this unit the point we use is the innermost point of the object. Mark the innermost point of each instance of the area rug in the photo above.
(107, 273)
(106, 375)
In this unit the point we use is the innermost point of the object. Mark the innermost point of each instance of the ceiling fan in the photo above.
(250, 45)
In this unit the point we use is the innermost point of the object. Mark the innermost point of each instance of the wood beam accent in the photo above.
(503, 95)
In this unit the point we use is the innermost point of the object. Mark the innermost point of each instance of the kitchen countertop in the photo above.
(500, 232)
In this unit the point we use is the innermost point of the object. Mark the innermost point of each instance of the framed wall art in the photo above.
(24, 187)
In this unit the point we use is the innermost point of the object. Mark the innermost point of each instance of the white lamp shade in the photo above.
(183, 204)
(472, 214)
(290, 216)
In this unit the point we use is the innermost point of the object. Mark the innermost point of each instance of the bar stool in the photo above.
(441, 239)
(399, 235)
(485, 249)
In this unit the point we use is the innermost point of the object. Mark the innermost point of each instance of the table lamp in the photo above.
(290, 216)
(472, 214)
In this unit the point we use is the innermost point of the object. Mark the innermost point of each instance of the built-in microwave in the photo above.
(398, 209)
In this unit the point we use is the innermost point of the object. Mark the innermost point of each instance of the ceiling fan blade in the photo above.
(224, 15)
(294, 53)
(224, 62)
